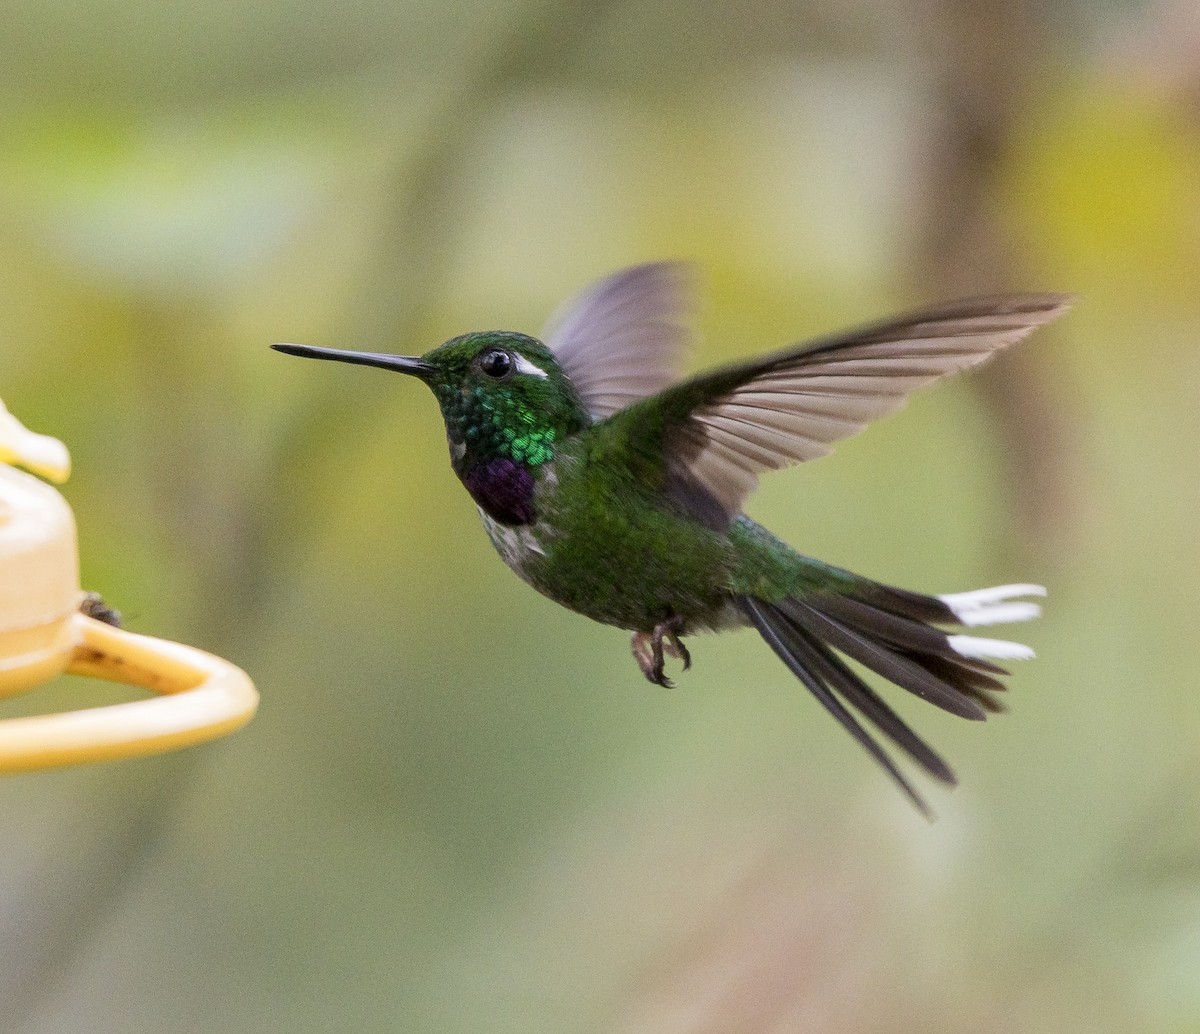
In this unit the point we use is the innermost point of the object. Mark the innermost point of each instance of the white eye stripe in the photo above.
(523, 365)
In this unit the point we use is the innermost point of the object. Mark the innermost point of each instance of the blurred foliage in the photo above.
(460, 807)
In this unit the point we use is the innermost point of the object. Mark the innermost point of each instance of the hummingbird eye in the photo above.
(496, 363)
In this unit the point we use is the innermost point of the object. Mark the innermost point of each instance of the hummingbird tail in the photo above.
(893, 633)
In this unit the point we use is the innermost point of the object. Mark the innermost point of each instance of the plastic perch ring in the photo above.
(43, 634)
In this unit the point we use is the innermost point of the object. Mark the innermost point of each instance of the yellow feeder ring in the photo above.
(44, 634)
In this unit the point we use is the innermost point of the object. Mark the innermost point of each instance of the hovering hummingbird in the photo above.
(616, 489)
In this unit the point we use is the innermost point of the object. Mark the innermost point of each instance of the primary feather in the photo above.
(722, 429)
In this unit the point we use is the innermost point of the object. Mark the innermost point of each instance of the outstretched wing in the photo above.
(623, 338)
(721, 429)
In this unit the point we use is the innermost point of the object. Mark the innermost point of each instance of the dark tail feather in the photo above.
(825, 676)
(839, 677)
(891, 632)
(903, 648)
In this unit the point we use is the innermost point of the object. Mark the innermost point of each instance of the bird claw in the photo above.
(649, 648)
(673, 647)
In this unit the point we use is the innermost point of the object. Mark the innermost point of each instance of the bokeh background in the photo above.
(461, 809)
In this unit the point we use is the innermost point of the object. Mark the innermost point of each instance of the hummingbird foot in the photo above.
(673, 647)
(649, 648)
(643, 653)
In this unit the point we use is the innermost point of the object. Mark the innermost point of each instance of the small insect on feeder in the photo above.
(44, 633)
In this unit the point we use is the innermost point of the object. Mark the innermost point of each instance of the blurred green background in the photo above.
(460, 808)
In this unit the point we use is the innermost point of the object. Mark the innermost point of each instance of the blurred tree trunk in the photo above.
(989, 55)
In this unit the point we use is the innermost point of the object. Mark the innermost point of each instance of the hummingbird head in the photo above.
(504, 395)
(505, 400)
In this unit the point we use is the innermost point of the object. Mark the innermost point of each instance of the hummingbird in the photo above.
(616, 488)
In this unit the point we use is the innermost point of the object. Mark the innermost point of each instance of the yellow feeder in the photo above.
(43, 634)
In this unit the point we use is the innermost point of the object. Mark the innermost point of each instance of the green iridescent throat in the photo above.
(494, 423)
(522, 418)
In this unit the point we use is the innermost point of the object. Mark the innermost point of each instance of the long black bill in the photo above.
(400, 363)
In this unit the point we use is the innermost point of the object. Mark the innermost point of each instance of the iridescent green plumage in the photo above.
(522, 418)
(616, 490)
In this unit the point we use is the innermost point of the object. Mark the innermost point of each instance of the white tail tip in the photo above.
(998, 605)
(990, 649)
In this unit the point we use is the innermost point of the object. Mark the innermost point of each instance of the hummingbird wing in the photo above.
(623, 337)
(721, 429)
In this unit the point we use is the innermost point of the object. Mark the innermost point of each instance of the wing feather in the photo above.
(726, 427)
(624, 337)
